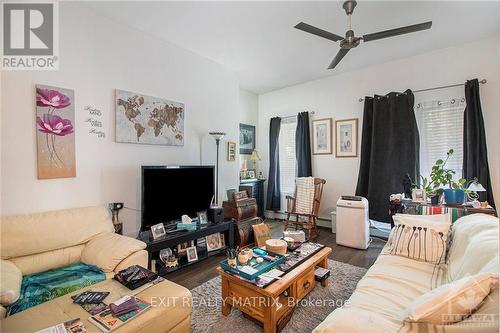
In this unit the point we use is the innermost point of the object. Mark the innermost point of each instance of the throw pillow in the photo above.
(420, 237)
(452, 302)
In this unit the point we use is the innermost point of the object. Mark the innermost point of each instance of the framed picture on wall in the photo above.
(231, 151)
(322, 136)
(247, 139)
(346, 143)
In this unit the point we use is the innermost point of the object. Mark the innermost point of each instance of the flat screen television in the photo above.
(170, 192)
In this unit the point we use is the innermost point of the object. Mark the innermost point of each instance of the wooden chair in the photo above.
(305, 221)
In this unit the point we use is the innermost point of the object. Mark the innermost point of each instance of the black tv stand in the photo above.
(172, 239)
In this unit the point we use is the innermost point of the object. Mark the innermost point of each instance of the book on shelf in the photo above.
(107, 322)
(70, 326)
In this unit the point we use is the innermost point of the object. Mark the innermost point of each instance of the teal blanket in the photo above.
(42, 287)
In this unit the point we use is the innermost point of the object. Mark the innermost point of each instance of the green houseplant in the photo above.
(440, 177)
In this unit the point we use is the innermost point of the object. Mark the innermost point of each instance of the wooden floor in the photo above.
(195, 275)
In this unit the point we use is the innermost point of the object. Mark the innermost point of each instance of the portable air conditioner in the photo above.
(352, 222)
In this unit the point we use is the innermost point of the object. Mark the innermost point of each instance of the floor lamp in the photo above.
(217, 136)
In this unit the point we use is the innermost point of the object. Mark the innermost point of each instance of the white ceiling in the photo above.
(257, 41)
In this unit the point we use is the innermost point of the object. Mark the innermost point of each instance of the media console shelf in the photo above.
(172, 240)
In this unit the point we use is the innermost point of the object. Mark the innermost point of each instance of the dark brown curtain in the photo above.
(475, 164)
(303, 145)
(390, 148)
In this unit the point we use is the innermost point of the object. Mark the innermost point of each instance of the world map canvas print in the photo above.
(55, 132)
(148, 120)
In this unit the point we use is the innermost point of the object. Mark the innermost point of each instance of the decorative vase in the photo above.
(453, 196)
(435, 199)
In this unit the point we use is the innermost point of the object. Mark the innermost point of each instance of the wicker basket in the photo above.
(277, 246)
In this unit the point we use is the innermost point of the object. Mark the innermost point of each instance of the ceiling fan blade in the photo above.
(397, 31)
(338, 57)
(318, 32)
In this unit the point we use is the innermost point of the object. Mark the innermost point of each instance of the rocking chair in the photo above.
(306, 220)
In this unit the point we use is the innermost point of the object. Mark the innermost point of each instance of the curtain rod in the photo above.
(292, 116)
(483, 81)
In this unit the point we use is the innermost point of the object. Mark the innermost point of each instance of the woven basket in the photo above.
(277, 246)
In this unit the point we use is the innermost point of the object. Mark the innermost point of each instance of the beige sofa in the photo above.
(393, 282)
(39, 242)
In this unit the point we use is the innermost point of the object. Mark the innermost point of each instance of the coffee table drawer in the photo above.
(305, 284)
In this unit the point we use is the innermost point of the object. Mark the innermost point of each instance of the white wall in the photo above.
(337, 97)
(248, 106)
(98, 55)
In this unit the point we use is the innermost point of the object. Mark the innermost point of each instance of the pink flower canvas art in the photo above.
(55, 117)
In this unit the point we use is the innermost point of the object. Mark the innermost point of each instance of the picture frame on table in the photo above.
(213, 242)
(251, 174)
(202, 217)
(182, 248)
(418, 195)
(231, 151)
(322, 136)
(191, 253)
(222, 240)
(247, 139)
(158, 231)
(346, 138)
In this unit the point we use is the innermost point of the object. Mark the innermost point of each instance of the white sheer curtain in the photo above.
(440, 124)
(288, 161)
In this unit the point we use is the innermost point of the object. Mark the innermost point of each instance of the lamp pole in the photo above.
(217, 136)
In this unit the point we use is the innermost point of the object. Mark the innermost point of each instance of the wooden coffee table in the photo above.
(273, 305)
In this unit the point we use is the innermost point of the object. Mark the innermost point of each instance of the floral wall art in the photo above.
(55, 132)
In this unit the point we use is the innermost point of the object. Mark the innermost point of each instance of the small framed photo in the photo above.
(202, 217)
(418, 195)
(322, 136)
(192, 255)
(231, 151)
(213, 242)
(158, 230)
(222, 240)
(346, 143)
(181, 248)
(243, 174)
(251, 174)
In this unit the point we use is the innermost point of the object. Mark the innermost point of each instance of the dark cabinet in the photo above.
(255, 189)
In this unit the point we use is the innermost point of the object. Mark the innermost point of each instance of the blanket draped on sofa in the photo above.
(42, 287)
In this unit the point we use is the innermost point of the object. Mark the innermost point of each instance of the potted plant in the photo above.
(441, 176)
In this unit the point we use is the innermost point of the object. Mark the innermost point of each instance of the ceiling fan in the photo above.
(350, 41)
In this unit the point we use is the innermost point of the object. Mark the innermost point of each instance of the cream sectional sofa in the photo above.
(39, 242)
(393, 282)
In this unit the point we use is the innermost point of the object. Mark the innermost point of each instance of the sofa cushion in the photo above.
(451, 302)
(28, 234)
(108, 250)
(41, 262)
(42, 287)
(475, 246)
(10, 282)
(423, 238)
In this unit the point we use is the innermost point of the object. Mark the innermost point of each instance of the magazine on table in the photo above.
(105, 320)
(70, 326)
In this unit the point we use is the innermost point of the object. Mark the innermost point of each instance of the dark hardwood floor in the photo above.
(194, 275)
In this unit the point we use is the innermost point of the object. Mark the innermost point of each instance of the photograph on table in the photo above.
(192, 255)
(181, 248)
(158, 230)
(213, 242)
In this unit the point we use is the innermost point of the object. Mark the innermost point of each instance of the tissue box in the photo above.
(186, 226)
(298, 235)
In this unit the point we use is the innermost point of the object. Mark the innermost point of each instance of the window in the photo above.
(440, 124)
(287, 158)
